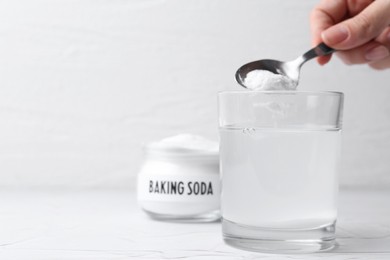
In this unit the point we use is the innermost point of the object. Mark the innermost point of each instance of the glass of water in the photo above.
(279, 157)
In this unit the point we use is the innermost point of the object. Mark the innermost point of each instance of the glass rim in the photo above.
(283, 92)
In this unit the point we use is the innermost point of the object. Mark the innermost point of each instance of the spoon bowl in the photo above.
(290, 69)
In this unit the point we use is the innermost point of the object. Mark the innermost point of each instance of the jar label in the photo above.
(169, 188)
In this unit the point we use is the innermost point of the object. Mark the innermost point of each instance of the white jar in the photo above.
(179, 179)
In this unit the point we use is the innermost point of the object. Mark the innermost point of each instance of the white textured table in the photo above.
(109, 225)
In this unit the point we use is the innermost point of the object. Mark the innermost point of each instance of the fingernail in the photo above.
(335, 34)
(377, 53)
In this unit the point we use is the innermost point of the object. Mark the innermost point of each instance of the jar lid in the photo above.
(184, 145)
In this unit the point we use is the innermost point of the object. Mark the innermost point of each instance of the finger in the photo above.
(384, 39)
(360, 29)
(381, 65)
(369, 52)
(322, 60)
(323, 16)
(356, 6)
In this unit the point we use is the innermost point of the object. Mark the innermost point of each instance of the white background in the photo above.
(83, 84)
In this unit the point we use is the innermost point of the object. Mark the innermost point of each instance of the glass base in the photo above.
(205, 217)
(285, 241)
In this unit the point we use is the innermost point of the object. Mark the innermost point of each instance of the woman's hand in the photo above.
(358, 29)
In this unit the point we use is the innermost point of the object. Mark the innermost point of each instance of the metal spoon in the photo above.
(289, 69)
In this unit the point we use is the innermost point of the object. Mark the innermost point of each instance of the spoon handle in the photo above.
(320, 50)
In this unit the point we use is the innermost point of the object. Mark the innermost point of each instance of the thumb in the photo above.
(360, 29)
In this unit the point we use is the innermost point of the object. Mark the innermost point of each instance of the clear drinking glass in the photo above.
(279, 156)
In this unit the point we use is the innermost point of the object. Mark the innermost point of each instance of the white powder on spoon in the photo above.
(266, 80)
